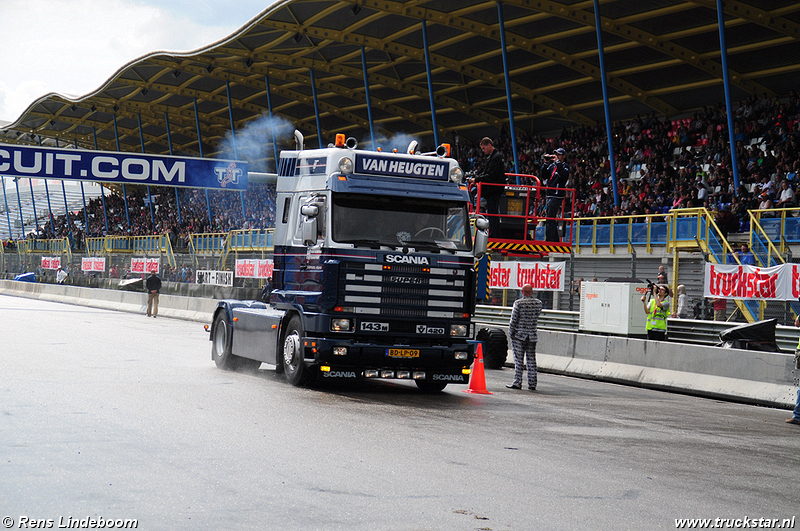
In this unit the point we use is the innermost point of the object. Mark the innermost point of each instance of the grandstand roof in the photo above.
(660, 55)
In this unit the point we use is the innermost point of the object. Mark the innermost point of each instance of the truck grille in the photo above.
(405, 290)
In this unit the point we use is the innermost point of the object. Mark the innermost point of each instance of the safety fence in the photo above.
(698, 332)
(196, 251)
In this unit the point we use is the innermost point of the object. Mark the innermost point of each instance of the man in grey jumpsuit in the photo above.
(522, 330)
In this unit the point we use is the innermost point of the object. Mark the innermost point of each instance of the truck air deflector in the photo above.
(374, 184)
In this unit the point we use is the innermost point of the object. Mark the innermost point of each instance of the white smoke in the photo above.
(254, 142)
(388, 141)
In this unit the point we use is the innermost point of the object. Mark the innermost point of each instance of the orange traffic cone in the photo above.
(477, 379)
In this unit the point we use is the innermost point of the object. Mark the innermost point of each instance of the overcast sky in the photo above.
(72, 46)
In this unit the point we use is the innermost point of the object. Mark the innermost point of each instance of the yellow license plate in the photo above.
(402, 353)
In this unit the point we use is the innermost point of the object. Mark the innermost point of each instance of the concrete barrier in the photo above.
(176, 306)
(765, 378)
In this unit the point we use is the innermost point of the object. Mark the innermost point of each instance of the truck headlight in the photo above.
(457, 175)
(341, 325)
(458, 330)
(461, 355)
(346, 165)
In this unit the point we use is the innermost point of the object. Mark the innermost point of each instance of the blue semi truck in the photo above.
(374, 271)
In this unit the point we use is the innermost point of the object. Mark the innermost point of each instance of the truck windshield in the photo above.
(393, 221)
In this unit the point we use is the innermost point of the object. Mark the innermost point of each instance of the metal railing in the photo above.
(56, 246)
(152, 244)
(679, 330)
(779, 225)
(249, 240)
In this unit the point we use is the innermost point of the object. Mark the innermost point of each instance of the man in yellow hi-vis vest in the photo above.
(657, 309)
(795, 418)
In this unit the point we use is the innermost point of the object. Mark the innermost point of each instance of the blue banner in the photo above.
(400, 166)
(35, 162)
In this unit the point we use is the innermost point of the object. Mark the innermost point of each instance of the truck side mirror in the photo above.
(481, 236)
(310, 224)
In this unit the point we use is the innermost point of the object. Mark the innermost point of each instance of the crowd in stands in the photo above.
(225, 207)
(661, 164)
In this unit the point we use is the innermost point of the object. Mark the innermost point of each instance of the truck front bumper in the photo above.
(338, 359)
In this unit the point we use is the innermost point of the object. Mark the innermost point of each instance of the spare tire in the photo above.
(495, 347)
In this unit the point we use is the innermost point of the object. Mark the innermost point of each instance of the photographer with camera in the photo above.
(556, 174)
(656, 309)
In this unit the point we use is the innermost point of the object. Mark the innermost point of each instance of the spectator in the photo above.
(153, 286)
(745, 256)
(786, 199)
(61, 275)
(720, 309)
(682, 312)
(661, 278)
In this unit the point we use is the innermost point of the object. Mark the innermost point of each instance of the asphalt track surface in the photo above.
(109, 415)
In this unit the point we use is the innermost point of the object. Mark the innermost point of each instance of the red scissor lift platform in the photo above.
(522, 210)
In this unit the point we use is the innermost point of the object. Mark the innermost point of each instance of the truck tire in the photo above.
(291, 355)
(221, 348)
(430, 387)
(495, 347)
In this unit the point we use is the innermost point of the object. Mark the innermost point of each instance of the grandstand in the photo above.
(436, 71)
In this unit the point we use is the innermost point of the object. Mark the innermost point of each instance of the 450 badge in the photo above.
(435, 330)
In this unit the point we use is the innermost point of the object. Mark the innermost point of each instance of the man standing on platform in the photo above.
(557, 174)
(523, 332)
(494, 174)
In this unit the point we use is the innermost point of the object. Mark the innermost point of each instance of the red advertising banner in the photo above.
(93, 264)
(781, 283)
(543, 276)
(249, 268)
(145, 265)
(51, 262)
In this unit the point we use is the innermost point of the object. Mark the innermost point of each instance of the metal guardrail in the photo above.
(680, 330)
(498, 316)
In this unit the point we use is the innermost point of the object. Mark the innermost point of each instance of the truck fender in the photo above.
(227, 306)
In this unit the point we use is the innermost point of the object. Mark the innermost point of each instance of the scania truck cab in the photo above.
(373, 271)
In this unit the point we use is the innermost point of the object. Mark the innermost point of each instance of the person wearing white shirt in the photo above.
(787, 197)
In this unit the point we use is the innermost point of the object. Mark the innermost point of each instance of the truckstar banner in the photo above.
(125, 168)
(93, 264)
(247, 268)
(780, 283)
(51, 262)
(543, 276)
(145, 265)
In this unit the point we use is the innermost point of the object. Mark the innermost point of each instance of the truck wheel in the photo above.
(292, 354)
(221, 346)
(430, 387)
(495, 347)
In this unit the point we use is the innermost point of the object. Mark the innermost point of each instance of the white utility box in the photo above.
(613, 308)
